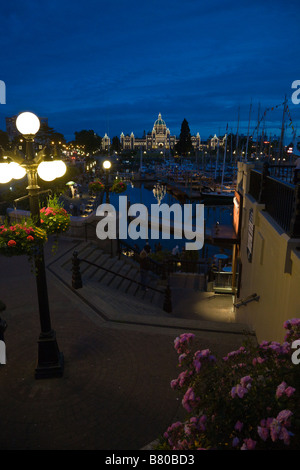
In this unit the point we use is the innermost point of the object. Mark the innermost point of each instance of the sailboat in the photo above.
(224, 194)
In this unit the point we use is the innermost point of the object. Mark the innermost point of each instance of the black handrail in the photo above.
(77, 280)
(118, 274)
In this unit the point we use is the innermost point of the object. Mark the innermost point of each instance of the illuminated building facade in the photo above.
(159, 139)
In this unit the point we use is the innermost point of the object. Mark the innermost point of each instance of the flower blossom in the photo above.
(283, 389)
(249, 444)
(189, 400)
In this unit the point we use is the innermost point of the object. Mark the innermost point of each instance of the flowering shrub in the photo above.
(21, 238)
(96, 186)
(118, 187)
(54, 218)
(248, 400)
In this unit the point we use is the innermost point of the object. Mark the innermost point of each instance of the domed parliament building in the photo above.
(159, 139)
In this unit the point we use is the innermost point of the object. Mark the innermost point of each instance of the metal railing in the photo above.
(171, 264)
(281, 198)
(77, 280)
(223, 281)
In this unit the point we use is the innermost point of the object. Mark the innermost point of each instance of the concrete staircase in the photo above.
(121, 300)
(116, 286)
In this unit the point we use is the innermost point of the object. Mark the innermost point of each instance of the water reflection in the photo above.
(143, 193)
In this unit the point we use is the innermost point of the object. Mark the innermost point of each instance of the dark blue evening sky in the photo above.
(113, 66)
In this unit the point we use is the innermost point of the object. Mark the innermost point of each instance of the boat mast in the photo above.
(237, 139)
(217, 161)
(246, 155)
(282, 129)
(256, 147)
(224, 159)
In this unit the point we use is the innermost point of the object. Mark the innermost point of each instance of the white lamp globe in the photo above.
(27, 123)
(60, 168)
(46, 171)
(17, 171)
(106, 165)
(5, 173)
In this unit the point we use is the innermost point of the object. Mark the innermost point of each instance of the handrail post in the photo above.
(168, 300)
(76, 274)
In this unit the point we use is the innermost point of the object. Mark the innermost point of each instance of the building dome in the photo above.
(159, 125)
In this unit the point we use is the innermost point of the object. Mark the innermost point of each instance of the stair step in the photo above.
(83, 250)
(133, 275)
(94, 257)
(124, 270)
(109, 277)
(107, 263)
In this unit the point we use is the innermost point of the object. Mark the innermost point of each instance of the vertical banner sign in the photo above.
(250, 235)
(237, 214)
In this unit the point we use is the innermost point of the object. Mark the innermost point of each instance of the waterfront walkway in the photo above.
(115, 392)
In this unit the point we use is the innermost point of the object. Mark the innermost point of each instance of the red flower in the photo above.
(30, 238)
(11, 243)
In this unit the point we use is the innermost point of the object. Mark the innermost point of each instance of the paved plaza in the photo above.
(115, 392)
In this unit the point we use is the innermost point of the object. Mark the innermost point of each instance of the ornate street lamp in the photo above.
(14, 165)
(106, 166)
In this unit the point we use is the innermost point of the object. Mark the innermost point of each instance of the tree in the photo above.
(115, 144)
(89, 140)
(4, 140)
(184, 145)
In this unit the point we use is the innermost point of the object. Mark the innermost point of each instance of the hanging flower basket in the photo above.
(21, 239)
(118, 187)
(54, 218)
(96, 186)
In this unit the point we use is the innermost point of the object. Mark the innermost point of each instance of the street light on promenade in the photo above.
(106, 166)
(50, 359)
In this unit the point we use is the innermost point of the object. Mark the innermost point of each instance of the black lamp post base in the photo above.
(50, 359)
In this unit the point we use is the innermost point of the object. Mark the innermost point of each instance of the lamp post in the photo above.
(106, 166)
(50, 359)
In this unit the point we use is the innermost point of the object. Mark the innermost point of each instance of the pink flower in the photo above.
(238, 426)
(263, 432)
(249, 444)
(197, 365)
(189, 400)
(280, 389)
(245, 381)
(289, 391)
(284, 417)
(239, 391)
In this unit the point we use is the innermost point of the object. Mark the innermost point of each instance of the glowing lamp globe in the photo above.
(106, 165)
(27, 123)
(60, 168)
(47, 171)
(17, 171)
(5, 172)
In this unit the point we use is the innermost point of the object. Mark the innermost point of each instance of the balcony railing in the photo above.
(281, 198)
